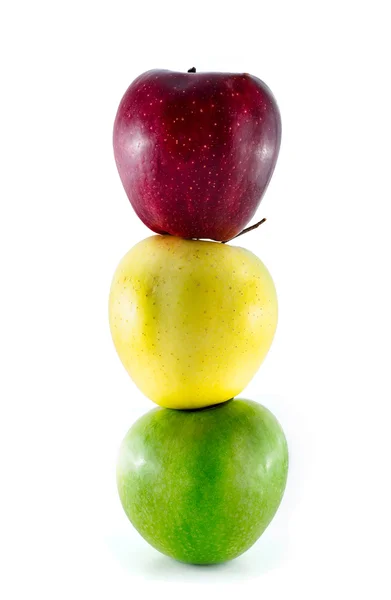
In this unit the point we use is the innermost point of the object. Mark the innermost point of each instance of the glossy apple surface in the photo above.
(196, 151)
(202, 486)
(191, 320)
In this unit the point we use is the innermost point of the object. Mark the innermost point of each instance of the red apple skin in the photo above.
(196, 151)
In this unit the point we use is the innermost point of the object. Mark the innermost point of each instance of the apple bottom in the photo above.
(201, 486)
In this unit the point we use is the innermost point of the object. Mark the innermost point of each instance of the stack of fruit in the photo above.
(202, 476)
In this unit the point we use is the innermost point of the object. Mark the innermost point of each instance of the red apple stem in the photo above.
(192, 70)
(255, 226)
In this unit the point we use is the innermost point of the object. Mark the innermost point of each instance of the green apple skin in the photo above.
(202, 485)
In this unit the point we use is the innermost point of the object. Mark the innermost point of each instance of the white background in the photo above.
(66, 401)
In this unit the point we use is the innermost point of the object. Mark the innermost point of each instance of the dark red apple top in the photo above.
(196, 151)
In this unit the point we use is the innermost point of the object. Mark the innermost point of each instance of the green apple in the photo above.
(202, 485)
(191, 320)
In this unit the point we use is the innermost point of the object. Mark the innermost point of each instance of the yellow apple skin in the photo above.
(191, 320)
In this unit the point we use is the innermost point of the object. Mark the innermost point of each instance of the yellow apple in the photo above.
(191, 320)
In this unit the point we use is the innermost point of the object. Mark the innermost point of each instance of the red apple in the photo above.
(196, 151)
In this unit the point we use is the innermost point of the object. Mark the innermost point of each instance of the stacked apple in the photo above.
(201, 476)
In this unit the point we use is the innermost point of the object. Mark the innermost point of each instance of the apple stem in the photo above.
(255, 226)
(192, 70)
